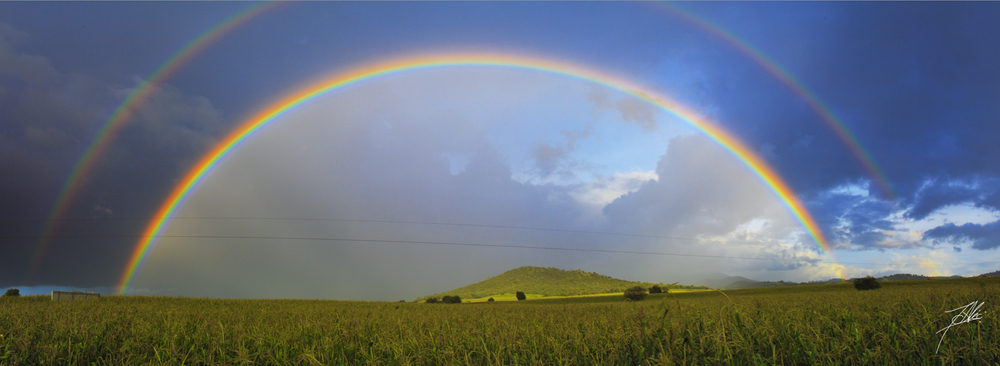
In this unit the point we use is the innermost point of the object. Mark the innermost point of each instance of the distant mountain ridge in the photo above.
(912, 277)
(550, 281)
(737, 282)
(991, 274)
(722, 282)
(545, 281)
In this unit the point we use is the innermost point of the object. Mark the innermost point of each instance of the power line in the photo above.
(392, 222)
(418, 242)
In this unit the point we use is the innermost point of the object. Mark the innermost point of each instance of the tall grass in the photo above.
(822, 324)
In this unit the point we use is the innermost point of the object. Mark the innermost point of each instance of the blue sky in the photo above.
(915, 82)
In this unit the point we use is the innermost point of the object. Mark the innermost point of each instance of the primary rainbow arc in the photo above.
(747, 156)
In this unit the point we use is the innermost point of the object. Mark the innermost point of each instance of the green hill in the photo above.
(545, 282)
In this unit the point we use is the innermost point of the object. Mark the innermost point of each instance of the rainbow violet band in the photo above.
(740, 150)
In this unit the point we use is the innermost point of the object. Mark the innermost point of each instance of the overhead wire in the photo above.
(394, 222)
(508, 227)
(810, 260)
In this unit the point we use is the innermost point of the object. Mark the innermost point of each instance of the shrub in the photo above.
(636, 293)
(432, 300)
(12, 292)
(490, 300)
(655, 289)
(451, 299)
(866, 283)
(520, 296)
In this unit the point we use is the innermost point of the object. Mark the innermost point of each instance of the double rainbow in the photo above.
(747, 156)
(128, 107)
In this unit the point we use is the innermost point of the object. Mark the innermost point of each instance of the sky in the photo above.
(880, 118)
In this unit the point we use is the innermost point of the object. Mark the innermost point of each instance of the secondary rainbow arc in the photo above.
(142, 92)
(796, 86)
(747, 156)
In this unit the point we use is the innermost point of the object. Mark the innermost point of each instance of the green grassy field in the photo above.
(821, 324)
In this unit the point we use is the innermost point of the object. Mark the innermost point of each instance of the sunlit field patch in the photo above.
(815, 324)
(615, 296)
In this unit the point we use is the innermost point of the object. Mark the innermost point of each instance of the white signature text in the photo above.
(969, 314)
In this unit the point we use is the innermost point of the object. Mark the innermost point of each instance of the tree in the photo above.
(520, 296)
(655, 289)
(490, 300)
(866, 283)
(635, 293)
(12, 292)
(432, 300)
(451, 299)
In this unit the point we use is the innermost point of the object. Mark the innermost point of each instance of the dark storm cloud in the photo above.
(858, 222)
(991, 201)
(29, 69)
(48, 118)
(164, 138)
(917, 83)
(43, 113)
(978, 192)
(936, 196)
(851, 221)
(941, 193)
(982, 236)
